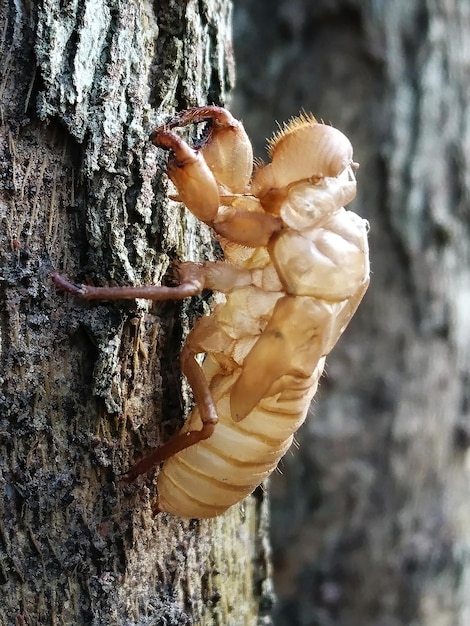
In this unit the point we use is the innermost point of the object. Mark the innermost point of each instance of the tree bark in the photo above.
(86, 389)
(371, 518)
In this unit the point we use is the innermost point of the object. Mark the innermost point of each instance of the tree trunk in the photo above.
(86, 389)
(372, 516)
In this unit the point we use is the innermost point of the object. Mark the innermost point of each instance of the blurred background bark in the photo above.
(371, 516)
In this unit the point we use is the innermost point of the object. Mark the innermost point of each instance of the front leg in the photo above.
(197, 188)
(225, 146)
(190, 174)
(222, 162)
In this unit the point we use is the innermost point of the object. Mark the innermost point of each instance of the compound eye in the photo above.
(307, 204)
(304, 206)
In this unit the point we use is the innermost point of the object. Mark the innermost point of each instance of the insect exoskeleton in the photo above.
(296, 268)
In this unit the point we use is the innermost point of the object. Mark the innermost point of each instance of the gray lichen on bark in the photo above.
(98, 63)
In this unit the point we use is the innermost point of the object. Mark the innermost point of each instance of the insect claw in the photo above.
(125, 478)
(128, 477)
(156, 509)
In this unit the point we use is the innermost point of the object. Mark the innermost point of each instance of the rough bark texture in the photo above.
(84, 391)
(372, 515)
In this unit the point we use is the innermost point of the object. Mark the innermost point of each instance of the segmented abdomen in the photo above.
(209, 477)
(266, 349)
